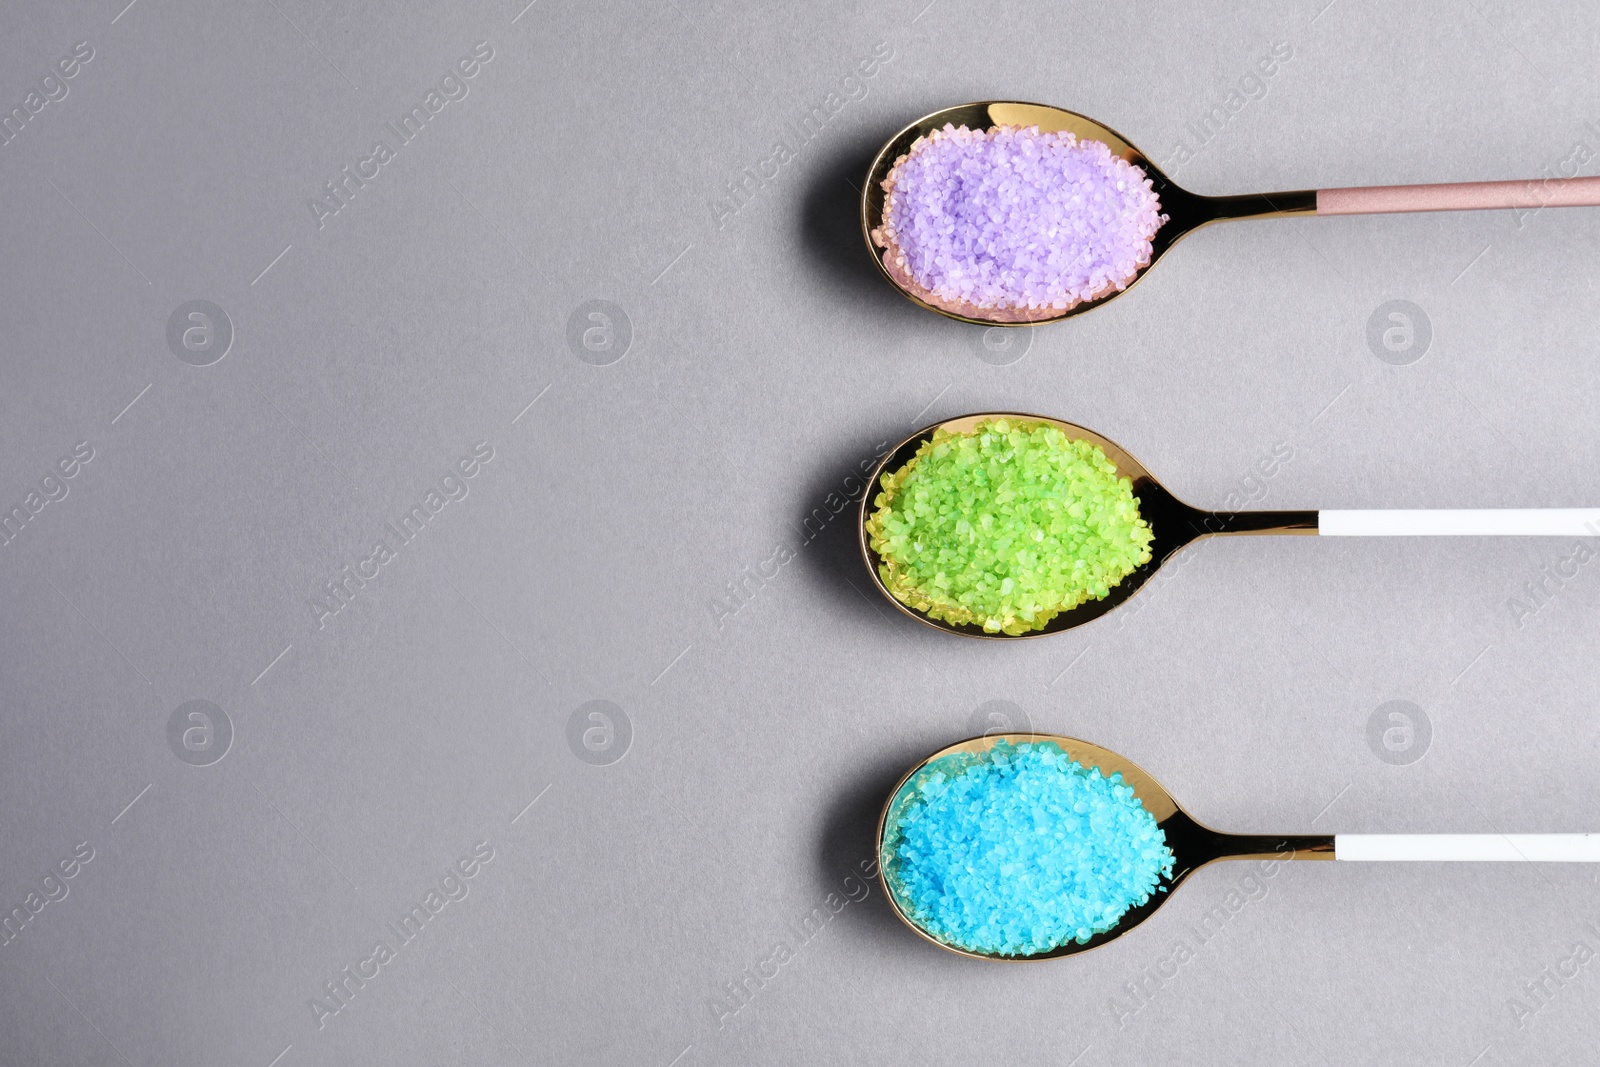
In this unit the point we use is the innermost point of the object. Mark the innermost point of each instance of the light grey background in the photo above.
(767, 360)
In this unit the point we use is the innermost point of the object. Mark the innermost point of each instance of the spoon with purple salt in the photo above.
(1008, 214)
(1033, 846)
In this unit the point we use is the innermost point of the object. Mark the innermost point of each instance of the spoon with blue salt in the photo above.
(1009, 214)
(1032, 846)
(1007, 525)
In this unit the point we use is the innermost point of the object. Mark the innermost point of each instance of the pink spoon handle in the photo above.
(1460, 196)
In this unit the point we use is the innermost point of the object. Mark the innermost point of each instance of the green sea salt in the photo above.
(1006, 526)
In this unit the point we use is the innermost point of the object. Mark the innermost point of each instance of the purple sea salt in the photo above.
(1014, 224)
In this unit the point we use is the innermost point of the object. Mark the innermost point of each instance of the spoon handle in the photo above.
(1461, 196)
(1447, 848)
(1535, 522)
(1256, 847)
(1257, 522)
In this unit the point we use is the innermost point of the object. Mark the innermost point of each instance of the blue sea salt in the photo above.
(1020, 850)
(1011, 223)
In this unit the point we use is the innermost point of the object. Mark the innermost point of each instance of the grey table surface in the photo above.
(646, 509)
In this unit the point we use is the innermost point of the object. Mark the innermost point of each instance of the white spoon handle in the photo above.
(1441, 848)
(1538, 522)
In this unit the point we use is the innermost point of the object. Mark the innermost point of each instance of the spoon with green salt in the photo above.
(1012, 525)
(1034, 846)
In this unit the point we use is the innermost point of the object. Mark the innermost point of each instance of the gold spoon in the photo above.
(1194, 844)
(1175, 524)
(1185, 211)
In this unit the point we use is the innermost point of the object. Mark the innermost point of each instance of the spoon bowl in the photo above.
(1193, 844)
(1173, 523)
(1185, 211)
